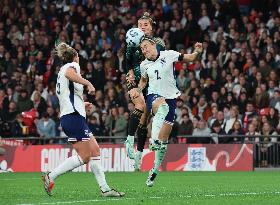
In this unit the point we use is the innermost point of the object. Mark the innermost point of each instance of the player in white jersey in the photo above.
(69, 89)
(158, 71)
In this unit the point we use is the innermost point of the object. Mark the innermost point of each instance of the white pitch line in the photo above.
(84, 201)
(26, 204)
(159, 197)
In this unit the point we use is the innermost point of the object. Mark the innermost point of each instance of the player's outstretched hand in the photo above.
(88, 105)
(134, 93)
(198, 47)
(130, 78)
(91, 89)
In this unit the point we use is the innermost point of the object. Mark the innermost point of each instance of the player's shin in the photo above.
(157, 123)
(159, 157)
(68, 165)
(96, 168)
(141, 139)
(133, 123)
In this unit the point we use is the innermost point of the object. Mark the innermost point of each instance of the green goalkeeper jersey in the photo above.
(134, 56)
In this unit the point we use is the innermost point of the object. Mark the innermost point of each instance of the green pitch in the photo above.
(174, 188)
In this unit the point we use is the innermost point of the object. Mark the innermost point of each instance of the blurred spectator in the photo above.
(186, 126)
(275, 100)
(242, 102)
(46, 127)
(252, 131)
(268, 132)
(181, 80)
(204, 21)
(216, 129)
(116, 124)
(24, 103)
(202, 130)
(236, 130)
(9, 114)
(39, 103)
(52, 99)
(261, 98)
(213, 117)
(202, 109)
(256, 122)
(195, 121)
(94, 126)
(249, 114)
(17, 127)
(273, 117)
(232, 118)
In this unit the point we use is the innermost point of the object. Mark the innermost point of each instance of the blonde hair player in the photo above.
(137, 124)
(158, 71)
(69, 89)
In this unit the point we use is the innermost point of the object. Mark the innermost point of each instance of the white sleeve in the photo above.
(74, 65)
(77, 67)
(143, 71)
(172, 55)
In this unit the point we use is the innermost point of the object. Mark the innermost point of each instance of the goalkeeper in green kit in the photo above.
(137, 124)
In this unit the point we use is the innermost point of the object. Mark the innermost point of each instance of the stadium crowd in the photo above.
(232, 89)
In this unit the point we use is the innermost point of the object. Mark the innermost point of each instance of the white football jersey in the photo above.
(161, 74)
(70, 94)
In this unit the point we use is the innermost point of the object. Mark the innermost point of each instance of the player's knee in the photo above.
(85, 157)
(140, 103)
(163, 137)
(95, 152)
(163, 109)
(140, 106)
(143, 121)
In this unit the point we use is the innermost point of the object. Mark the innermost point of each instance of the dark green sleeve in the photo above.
(128, 59)
(160, 44)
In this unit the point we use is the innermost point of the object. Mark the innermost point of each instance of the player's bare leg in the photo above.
(68, 165)
(87, 152)
(141, 139)
(96, 168)
(160, 133)
(133, 123)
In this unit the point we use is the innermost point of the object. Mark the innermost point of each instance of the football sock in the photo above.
(159, 120)
(68, 165)
(130, 139)
(159, 156)
(141, 137)
(138, 156)
(133, 123)
(96, 168)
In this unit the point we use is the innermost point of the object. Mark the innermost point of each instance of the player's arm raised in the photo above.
(193, 56)
(72, 75)
(142, 84)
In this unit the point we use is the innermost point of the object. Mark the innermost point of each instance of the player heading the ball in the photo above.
(157, 70)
